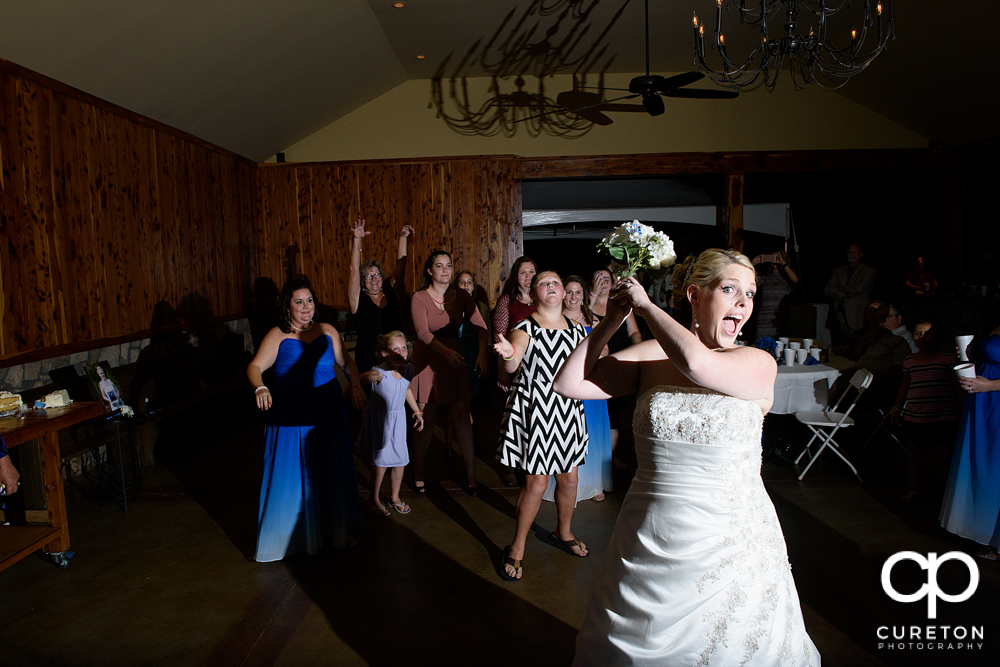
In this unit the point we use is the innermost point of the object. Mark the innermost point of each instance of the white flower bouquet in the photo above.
(636, 247)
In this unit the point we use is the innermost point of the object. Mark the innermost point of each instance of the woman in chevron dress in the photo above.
(542, 433)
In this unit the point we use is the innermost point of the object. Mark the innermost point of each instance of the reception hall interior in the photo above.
(165, 167)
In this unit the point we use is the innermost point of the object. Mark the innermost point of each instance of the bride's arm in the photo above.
(587, 375)
(742, 372)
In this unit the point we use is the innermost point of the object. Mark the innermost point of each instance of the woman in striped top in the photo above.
(928, 401)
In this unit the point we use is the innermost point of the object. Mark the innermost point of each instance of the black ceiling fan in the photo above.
(652, 88)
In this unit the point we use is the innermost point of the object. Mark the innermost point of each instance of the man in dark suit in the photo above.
(850, 288)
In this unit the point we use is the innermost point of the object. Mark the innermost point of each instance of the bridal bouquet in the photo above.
(637, 247)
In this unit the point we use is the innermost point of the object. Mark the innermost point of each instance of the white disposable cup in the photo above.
(963, 343)
(967, 370)
(784, 339)
(781, 346)
(789, 357)
(814, 353)
(795, 346)
(801, 355)
(807, 343)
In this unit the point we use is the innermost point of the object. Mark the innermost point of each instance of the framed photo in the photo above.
(106, 385)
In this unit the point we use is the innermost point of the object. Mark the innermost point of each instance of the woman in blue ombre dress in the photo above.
(972, 498)
(309, 495)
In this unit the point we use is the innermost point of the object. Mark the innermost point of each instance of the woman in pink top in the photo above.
(442, 377)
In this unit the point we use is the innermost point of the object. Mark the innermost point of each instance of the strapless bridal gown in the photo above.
(696, 572)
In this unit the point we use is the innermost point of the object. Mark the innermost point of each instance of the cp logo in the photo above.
(930, 590)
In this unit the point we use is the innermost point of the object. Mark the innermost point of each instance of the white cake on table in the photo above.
(56, 399)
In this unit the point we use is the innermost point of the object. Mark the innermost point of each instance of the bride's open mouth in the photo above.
(731, 324)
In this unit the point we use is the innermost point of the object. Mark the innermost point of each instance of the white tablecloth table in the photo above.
(802, 388)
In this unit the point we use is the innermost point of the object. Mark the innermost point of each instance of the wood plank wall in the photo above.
(468, 206)
(103, 213)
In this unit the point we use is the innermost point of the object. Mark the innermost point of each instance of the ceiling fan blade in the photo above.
(702, 94)
(678, 81)
(579, 109)
(624, 90)
(622, 108)
(576, 99)
(594, 115)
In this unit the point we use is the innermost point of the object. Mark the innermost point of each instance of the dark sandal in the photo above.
(507, 560)
(567, 545)
(422, 490)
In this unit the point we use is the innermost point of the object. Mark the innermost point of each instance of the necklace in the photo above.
(295, 328)
(527, 303)
(440, 303)
(575, 319)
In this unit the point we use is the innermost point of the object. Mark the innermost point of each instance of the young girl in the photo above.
(931, 395)
(383, 434)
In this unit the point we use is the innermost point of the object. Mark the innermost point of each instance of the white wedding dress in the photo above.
(696, 572)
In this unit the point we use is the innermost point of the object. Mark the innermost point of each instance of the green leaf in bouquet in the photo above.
(616, 251)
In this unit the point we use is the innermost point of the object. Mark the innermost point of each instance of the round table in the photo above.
(802, 388)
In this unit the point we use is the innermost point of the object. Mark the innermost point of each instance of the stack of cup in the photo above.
(963, 344)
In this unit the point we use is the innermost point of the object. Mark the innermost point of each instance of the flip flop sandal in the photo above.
(507, 560)
(567, 545)
(402, 508)
(377, 511)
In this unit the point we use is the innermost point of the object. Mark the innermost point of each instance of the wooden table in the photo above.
(16, 542)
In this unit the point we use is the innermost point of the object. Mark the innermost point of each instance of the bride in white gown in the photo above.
(696, 572)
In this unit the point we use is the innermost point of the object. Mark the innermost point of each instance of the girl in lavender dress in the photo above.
(383, 435)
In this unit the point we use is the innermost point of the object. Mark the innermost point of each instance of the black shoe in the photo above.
(472, 490)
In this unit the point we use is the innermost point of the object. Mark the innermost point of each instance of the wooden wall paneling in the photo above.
(61, 209)
(343, 210)
(6, 206)
(464, 219)
(167, 174)
(265, 243)
(78, 284)
(28, 235)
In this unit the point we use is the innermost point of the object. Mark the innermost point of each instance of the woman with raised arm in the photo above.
(442, 377)
(696, 571)
(626, 334)
(542, 434)
(309, 495)
(376, 310)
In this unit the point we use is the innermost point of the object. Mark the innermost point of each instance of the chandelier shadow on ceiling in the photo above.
(522, 48)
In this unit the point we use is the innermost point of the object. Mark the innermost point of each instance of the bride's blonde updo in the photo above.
(705, 268)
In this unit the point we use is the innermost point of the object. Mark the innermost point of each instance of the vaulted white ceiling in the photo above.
(256, 76)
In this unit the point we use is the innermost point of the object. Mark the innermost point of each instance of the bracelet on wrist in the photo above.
(257, 390)
(512, 354)
(418, 413)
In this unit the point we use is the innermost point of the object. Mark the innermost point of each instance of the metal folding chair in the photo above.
(819, 422)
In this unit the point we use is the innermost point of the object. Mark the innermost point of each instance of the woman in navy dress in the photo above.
(309, 494)
(972, 499)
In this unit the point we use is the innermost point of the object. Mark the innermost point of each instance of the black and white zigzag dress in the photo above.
(542, 432)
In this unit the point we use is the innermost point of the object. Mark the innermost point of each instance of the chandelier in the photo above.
(813, 57)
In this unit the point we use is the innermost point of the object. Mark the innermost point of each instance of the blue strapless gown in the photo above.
(972, 498)
(309, 495)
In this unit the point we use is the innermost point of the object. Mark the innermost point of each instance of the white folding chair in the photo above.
(830, 419)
